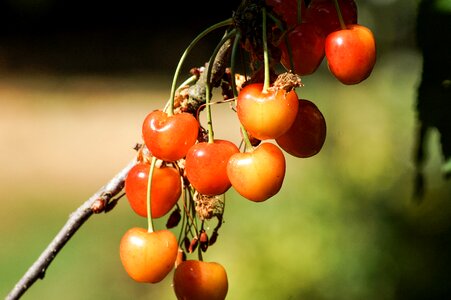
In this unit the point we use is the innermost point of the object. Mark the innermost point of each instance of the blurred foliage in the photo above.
(344, 225)
(434, 90)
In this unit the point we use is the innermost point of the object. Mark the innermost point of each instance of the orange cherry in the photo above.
(148, 256)
(257, 175)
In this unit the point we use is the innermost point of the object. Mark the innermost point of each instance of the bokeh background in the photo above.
(78, 77)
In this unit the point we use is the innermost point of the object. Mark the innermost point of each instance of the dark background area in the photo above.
(103, 36)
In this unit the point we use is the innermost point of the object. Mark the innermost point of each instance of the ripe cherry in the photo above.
(206, 166)
(306, 42)
(148, 256)
(257, 175)
(351, 53)
(306, 136)
(165, 189)
(266, 115)
(199, 280)
(168, 137)
(324, 14)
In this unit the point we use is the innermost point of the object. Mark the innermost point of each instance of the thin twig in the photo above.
(75, 221)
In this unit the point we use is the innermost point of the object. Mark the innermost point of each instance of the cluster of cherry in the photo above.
(183, 168)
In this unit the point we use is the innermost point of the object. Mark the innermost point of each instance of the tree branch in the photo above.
(197, 92)
(95, 204)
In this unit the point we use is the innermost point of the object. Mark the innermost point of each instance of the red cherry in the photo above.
(206, 166)
(266, 115)
(306, 136)
(307, 48)
(200, 280)
(351, 53)
(324, 14)
(257, 175)
(169, 137)
(148, 256)
(165, 190)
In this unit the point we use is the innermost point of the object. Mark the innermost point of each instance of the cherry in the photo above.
(200, 280)
(306, 136)
(168, 137)
(266, 114)
(306, 42)
(351, 53)
(324, 14)
(206, 166)
(148, 256)
(165, 189)
(257, 175)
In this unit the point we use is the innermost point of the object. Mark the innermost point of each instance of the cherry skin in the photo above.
(169, 137)
(324, 14)
(206, 166)
(306, 42)
(257, 175)
(351, 53)
(199, 280)
(306, 136)
(287, 10)
(266, 115)
(165, 189)
(148, 256)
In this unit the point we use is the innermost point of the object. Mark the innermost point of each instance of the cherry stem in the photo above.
(266, 82)
(150, 227)
(189, 208)
(193, 215)
(275, 19)
(199, 248)
(227, 37)
(290, 52)
(236, 42)
(184, 55)
(184, 211)
(247, 143)
(299, 11)
(340, 16)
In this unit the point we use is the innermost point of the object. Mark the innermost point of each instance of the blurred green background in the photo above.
(344, 226)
